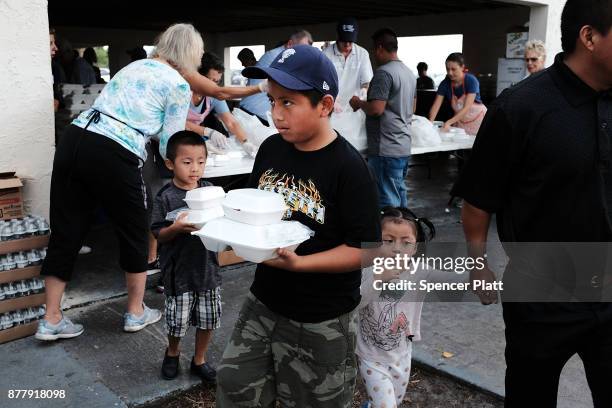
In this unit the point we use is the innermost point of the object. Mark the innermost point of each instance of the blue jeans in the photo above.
(390, 173)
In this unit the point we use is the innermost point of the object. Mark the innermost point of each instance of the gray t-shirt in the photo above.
(389, 134)
(186, 265)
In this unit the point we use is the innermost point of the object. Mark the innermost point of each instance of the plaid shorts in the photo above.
(199, 309)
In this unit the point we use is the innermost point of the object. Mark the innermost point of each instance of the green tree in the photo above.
(102, 54)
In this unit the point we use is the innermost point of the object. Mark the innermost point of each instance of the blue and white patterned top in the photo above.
(146, 95)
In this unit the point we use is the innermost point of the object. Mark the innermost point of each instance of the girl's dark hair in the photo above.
(456, 57)
(401, 214)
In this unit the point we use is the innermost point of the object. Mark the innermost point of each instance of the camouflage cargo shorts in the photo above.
(271, 358)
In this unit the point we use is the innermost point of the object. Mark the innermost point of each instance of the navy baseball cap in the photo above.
(347, 29)
(300, 68)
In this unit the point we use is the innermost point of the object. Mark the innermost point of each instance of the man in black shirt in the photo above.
(541, 162)
(295, 337)
(423, 81)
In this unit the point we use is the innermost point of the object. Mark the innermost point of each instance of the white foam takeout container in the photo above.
(255, 243)
(197, 217)
(462, 137)
(254, 207)
(204, 197)
(454, 134)
(446, 136)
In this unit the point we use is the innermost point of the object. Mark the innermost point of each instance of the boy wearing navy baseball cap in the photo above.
(294, 340)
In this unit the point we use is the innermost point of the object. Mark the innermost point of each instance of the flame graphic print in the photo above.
(301, 196)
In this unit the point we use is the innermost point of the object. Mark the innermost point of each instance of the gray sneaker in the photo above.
(134, 323)
(64, 329)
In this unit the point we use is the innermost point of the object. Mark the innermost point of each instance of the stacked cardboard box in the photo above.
(18, 274)
(11, 206)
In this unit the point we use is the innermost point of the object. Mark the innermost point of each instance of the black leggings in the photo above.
(91, 170)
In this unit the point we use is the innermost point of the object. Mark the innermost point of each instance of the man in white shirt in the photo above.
(354, 70)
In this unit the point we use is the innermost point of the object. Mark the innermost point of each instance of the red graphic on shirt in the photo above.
(399, 324)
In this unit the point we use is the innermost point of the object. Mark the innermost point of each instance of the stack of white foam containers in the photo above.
(253, 226)
(204, 205)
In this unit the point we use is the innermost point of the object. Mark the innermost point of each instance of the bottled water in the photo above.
(21, 260)
(6, 321)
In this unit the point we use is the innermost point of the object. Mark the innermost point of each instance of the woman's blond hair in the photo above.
(181, 45)
(536, 46)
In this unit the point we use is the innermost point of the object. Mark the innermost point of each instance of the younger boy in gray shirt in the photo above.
(190, 272)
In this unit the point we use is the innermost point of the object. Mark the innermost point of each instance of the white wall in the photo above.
(26, 100)
(545, 25)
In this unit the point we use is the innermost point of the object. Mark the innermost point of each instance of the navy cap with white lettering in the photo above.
(300, 68)
(347, 29)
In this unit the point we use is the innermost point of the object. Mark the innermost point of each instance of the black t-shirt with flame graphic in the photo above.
(332, 192)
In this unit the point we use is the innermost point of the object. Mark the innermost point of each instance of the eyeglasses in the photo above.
(536, 59)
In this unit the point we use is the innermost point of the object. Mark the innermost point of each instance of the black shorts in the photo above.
(91, 170)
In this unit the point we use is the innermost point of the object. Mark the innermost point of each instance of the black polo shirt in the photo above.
(541, 161)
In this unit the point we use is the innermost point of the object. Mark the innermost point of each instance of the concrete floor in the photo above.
(106, 367)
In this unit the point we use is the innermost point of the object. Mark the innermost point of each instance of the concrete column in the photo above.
(545, 25)
(26, 102)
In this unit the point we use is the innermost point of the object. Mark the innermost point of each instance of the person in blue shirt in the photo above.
(259, 104)
(201, 106)
(462, 90)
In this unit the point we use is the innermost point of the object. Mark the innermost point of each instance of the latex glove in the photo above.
(263, 86)
(212, 149)
(250, 148)
(218, 139)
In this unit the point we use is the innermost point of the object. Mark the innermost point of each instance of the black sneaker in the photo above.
(170, 366)
(205, 372)
(153, 267)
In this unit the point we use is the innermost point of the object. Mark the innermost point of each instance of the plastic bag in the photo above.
(423, 132)
(256, 131)
(351, 126)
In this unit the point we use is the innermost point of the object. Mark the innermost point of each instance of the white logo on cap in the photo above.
(348, 27)
(325, 86)
(286, 54)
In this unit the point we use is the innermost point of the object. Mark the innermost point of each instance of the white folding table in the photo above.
(244, 165)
